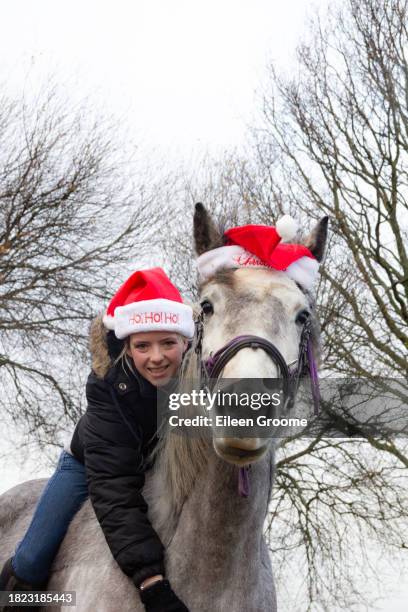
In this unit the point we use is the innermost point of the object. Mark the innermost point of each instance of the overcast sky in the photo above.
(181, 73)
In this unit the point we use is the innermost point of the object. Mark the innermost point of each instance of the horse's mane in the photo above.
(178, 457)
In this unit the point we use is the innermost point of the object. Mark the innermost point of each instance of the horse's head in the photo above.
(252, 301)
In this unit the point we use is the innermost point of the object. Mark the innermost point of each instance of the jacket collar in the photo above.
(133, 380)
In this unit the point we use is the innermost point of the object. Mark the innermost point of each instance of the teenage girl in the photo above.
(146, 330)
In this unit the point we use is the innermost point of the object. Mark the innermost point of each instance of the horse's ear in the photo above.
(316, 240)
(206, 234)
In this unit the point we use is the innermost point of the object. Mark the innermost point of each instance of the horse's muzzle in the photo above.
(240, 451)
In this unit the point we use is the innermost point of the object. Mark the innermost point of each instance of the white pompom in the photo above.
(286, 227)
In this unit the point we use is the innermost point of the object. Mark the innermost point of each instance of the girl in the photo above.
(146, 329)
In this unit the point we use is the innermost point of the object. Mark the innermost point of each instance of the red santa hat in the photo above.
(259, 246)
(148, 301)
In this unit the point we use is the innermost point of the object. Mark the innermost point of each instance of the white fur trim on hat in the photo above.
(152, 315)
(233, 256)
(108, 321)
(303, 271)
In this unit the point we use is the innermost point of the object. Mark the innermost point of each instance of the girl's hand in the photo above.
(160, 597)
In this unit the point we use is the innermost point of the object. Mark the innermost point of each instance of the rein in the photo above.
(305, 364)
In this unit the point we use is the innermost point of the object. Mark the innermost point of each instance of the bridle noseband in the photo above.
(213, 366)
(217, 362)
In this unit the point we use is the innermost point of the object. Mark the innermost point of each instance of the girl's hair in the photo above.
(127, 363)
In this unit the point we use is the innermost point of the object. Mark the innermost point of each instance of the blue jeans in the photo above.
(61, 499)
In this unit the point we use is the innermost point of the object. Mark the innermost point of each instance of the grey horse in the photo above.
(217, 558)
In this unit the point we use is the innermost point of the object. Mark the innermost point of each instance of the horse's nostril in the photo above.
(270, 383)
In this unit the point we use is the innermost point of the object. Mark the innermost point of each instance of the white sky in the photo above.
(181, 73)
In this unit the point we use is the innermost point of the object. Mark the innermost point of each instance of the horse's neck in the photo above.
(215, 500)
(218, 548)
(215, 523)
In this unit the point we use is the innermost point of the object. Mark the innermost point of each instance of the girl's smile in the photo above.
(157, 355)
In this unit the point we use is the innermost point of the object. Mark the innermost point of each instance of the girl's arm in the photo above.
(113, 461)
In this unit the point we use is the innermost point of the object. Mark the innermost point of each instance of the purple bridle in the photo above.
(305, 364)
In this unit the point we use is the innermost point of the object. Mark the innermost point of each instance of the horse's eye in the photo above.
(207, 307)
(302, 317)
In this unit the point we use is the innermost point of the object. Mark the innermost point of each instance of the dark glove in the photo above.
(161, 598)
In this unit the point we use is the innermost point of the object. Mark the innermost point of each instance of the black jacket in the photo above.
(113, 439)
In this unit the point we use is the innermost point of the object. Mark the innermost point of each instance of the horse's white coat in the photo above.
(255, 316)
(216, 556)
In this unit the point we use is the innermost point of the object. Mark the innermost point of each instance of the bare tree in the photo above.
(334, 141)
(341, 131)
(219, 183)
(71, 221)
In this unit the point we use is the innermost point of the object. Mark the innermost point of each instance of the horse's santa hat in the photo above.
(259, 246)
(148, 301)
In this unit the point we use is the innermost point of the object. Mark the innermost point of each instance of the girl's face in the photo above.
(157, 355)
